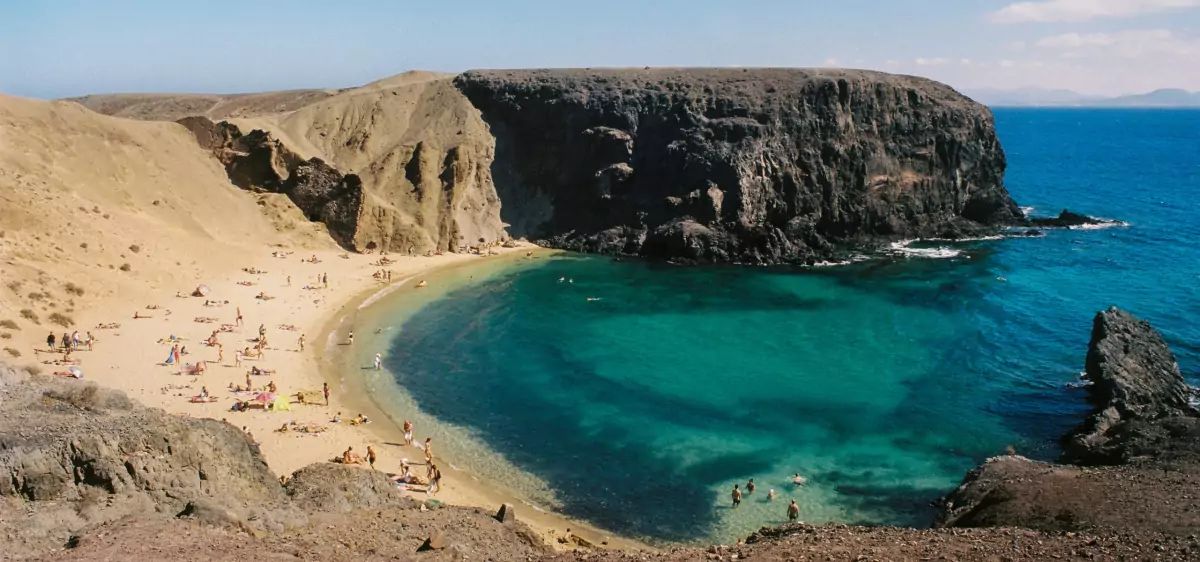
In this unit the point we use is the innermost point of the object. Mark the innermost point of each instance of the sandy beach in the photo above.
(131, 358)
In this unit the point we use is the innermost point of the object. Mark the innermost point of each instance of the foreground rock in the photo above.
(91, 476)
(743, 165)
(1068, 219)
(1136, 460)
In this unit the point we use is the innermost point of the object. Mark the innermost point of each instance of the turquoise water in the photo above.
(882, 382)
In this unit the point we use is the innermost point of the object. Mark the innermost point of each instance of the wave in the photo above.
(941, 252)
(1026, 211)
(1108, 223)
(834, 263)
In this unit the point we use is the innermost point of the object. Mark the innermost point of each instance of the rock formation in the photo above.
(259, 161)
(1134, 463)
(743, 165)
(1137, 389)
(90, 475)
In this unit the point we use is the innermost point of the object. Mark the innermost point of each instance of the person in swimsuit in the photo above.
(750, 486)
(737, 495)
(408, 432)
(793, 511)
(325, 391)
(371, 456)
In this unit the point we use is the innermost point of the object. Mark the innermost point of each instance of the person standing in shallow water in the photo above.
(737, 495)
(793, 511)
(750, 486)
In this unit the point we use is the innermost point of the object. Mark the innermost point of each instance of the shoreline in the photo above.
(131, 356)
(460, 486)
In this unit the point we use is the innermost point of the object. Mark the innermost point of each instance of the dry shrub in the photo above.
(9, 325)
(135, 248)
(126, 267)
(61, 319)
(73, 289)
(5, 336)
(29, 315)
(12, 351)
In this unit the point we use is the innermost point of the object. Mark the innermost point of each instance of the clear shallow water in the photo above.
(882, 382)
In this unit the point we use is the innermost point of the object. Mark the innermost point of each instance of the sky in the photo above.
(59, 48)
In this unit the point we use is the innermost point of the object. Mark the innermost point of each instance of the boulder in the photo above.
(506, 513)
(1136, 384)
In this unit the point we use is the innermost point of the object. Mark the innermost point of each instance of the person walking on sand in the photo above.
(378, 361)
(91, 340)
(435, 479)
(75, 341)
(371, 456)
(176, 352)
(50, 341)
(301, 342)
(220, 354)
(736, 495)
(428, 450)
(408, 433)
(239, 317)
(325, 280)
(66, 341)
(350, 337)
(237, 358)
(325, 391)
(793, 511)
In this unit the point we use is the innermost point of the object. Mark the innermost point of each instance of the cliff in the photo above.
(702, 165)
(743, 165)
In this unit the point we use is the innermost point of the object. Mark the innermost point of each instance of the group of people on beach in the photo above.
(71, 342)
(793, 509)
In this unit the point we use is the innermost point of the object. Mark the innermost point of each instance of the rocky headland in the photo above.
(694, 165)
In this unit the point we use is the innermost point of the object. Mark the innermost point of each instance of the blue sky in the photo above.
(63, 48)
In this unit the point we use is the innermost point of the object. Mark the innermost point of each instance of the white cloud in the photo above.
(1153, 46)
(1082, 10)
(931, 61)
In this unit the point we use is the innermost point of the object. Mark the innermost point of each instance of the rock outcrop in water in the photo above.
(743, 165)
(1134, 464)
(1137, 389)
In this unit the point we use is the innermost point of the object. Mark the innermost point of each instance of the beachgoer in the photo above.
(371, 455)
(324, 278)
(325, 391)
(799, 480)
(204, 392)
(301, 342)
(348, 456)
(350, 337)
(737, 495)
(237, 358)
(177, 351)
(239, 317)
(435, 479)
(771, 495)
(271, 387)
(50, 341)
(750, 486)
(75, 341)
(289, 282)
(91, 340)
(248, 385)
(220, 353)
(428, 450)
(793, 511)
(66, 341)
(408, 432)
(378, 361)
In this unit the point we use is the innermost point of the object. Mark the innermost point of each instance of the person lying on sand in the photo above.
(74, 373)
(108, 326)
(139, 316)
(262, 295)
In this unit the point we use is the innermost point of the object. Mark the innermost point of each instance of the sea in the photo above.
(636, 395)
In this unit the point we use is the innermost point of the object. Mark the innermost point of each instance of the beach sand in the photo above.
(131, 358)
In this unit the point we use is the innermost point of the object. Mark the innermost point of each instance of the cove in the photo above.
(640, 393)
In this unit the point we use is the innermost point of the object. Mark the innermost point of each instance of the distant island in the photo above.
(1045, 97)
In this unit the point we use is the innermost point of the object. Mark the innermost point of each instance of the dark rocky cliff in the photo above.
(745, 165)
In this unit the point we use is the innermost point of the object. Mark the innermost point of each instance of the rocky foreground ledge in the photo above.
(91, 476)
(1132, 466)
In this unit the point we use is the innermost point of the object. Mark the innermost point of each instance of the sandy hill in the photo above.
(93, 206)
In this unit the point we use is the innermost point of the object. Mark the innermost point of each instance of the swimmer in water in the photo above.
(799, 480)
